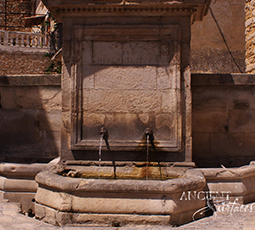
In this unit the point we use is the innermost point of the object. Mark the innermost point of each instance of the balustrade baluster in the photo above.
(37, 41)
(6, 38)
(44, 41)
(11, 40)
(28, 41)
(22, 40)
(1, 38)
(16, 40)
(41, 41)
(33, 40)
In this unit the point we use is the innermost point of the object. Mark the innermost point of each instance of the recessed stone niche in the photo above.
(129, 80)
(126, 67)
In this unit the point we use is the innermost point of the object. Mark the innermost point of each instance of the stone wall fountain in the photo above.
(126, 115)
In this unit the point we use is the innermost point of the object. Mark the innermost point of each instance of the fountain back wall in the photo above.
(126, 77)
(127, 80)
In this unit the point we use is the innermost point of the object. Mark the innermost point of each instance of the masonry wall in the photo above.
(223, 119)
(12, 14)
(250, 36)
(30, 113)
(19, 62)
(209, 53)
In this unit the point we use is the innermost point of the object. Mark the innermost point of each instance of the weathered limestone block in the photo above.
(125, 78)
(237, 182)
(21, 170)
(52, 216)
(241, 121)
(25, 199)
(221, 143)
(201, 145)
(209, 121)
(209, 99)
(15, 185)
(58, 200)
(48, 98)
(241, 97)
(249, 143)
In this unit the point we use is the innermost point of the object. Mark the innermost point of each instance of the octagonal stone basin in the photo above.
(62, 200)
(124, 170)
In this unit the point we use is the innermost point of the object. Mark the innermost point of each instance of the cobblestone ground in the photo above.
(229, 216)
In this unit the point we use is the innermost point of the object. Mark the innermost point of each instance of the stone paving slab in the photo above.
(237, 217)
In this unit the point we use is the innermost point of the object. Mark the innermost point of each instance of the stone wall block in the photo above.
(107, 52)
(16, 127)
(209, 98)
(88, 79)
(66, 47)
(249, 144)
(49, 121)
(249, 185)
(30, 97)
(122, 206)
(87, 50)
(66, 97)
(124, 101)
(227, 145)
(25, 199)
(241, 121)
(58, 200)
(241, 98)
(8, 97)
(209, 122)
(236, 188)
(112, 77)
(52, 142)
(38, 98)
(165, 79)
(13, 185)
(201, 145)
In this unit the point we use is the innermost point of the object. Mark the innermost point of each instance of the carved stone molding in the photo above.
(114, 9)
(196, 8)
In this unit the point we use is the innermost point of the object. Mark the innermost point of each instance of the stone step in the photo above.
(9, 208)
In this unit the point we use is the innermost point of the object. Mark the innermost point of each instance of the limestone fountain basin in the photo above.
(124, 170)
(63, 200)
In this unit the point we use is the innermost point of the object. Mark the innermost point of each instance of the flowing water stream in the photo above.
(100, 155)
(147, 155)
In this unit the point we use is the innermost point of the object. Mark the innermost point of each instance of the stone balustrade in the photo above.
(23, 39)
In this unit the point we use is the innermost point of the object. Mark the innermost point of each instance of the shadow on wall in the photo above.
(218, 42)
(223, 119)
(30, 112)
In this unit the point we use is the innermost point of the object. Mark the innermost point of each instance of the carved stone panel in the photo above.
(127, 80)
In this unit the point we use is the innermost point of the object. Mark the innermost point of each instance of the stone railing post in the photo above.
(23, 39)
(6, 36)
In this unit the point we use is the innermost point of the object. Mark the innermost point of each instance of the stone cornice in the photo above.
(77, 8)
